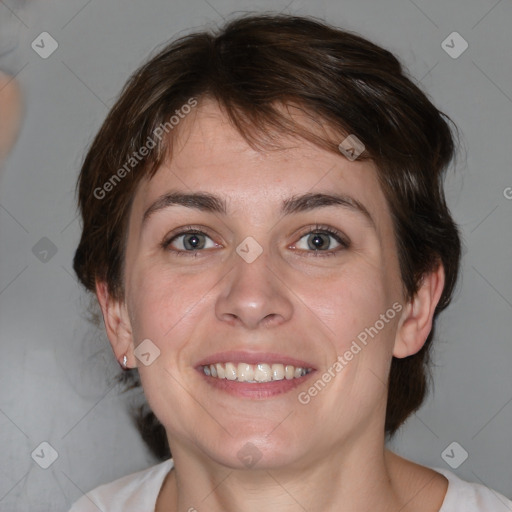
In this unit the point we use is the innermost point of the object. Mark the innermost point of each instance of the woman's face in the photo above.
(287, 275)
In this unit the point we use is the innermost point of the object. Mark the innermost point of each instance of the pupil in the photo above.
(192, 242)
(318, 241)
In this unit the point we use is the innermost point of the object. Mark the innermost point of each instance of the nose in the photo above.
(253, 295)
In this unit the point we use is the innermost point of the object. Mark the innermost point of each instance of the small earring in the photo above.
(124, 363)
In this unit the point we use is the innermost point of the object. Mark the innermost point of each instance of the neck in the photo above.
(363, 479)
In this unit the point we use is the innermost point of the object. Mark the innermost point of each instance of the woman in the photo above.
(265, 229)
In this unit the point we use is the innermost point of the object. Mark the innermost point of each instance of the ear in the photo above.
(416, 321)
(117, 324)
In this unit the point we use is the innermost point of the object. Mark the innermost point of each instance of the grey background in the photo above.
(56, 371)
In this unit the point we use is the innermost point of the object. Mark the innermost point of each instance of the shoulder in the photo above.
(134, 492)
(463, 496)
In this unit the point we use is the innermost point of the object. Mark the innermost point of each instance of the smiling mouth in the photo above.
(254, 373)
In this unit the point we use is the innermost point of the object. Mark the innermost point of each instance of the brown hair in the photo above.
(250, 67)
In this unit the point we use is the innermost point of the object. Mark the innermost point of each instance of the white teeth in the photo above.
(262, 372)
(221, 373)
(245, 372)
(230, 371)
(277, 372)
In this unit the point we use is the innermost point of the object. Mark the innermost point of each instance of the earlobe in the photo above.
(417, 317)
(117, 325)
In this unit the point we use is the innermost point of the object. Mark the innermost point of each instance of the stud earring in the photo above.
(124, 363)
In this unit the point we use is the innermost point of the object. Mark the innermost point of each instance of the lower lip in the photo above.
(256, 390)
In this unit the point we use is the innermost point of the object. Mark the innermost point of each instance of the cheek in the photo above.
(361, 317)
(350, 303)
(165, 304)
(165, 310)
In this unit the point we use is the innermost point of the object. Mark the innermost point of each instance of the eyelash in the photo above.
(318, 229)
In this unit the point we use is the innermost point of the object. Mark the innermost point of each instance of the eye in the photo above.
(189, 241)
(322, 239)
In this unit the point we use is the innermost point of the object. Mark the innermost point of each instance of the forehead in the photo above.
(210, 155)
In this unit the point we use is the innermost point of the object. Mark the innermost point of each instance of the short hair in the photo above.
(252, 66)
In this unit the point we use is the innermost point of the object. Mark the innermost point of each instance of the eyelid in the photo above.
(343, 239)
(184, 230)
(340, 237)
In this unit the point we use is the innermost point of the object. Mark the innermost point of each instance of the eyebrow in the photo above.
(296, 204)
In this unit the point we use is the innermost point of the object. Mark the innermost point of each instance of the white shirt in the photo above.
(138, 492)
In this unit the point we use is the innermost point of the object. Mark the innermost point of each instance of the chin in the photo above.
(254, 452)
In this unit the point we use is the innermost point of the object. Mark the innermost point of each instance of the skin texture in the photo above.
(326, 455)
(10, 113)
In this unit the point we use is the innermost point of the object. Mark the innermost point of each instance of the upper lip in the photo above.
(242, 356)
